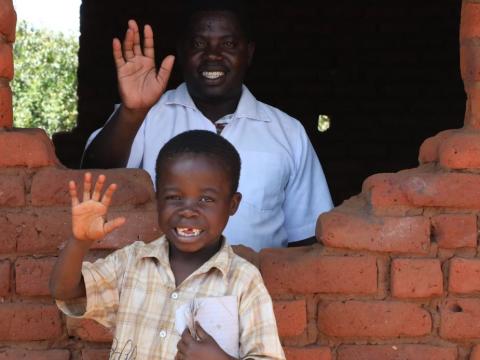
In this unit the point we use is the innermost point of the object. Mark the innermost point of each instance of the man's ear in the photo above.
(235, 202)
(251, 51)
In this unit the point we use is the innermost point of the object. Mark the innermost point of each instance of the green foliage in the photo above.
(45, 82)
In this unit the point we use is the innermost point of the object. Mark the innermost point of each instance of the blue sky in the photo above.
(58, 15)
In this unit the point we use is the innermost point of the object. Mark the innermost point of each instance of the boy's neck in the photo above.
(183, 264)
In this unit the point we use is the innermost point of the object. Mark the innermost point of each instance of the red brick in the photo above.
(12, 191)
(8, 18)
(373, 319)
(8, 240)
(41, 232)
(140, 225)
(460, 319)
(416, 278)
(452, 190)
(475, 355)
(429, 148)
(6, 61)
(50, 186)
(32, 276)
(14, 354)
(469, 26)
(455, 230)
(385, 234)
(95, 354)
(248, 254)
(88, 330)
(464, 276)
(6, 121)
(308, 353)
(384, 192)
(460, 151)
(306, 271)
(26, 147)
(291, 317)
(29, 322)
(4, 278)
(396, 352)
(469, 62)
(472, 111)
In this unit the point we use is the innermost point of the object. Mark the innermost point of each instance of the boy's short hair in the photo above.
(240, 8)
(202, 142)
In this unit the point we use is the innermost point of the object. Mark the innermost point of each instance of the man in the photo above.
(282, 182)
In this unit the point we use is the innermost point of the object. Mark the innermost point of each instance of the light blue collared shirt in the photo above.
(282, 182)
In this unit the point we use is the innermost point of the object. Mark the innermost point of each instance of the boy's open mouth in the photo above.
(187, 232)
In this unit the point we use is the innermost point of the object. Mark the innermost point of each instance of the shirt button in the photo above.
(163, 333)
(174, 296)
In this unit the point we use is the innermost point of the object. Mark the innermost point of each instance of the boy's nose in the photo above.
(188, 212)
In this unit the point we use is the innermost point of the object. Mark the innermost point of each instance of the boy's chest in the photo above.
(146, 314)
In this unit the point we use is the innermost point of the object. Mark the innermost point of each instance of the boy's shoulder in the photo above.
(241, 268)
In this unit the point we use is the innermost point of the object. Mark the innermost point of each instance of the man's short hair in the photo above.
(202, 142)
(240, 8)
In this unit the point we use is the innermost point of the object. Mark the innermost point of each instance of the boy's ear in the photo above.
(235, 202)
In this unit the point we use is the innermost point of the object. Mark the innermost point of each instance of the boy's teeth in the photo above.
(188, 231)
(212, 75)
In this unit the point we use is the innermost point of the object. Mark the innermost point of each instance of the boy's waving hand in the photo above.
(89, 216)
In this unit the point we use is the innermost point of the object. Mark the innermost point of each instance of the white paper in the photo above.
(218, 316)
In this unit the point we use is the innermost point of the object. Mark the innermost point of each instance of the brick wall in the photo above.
(386, 72)
(394, 276)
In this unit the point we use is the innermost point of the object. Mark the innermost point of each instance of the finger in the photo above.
(72, 189)
(128, 43)
(148, 46)
(165, 69)
(98, 187)
(87, 186)
(113, 224)
(117, 53)
(137, 49)
(107, 197)
(201, 333)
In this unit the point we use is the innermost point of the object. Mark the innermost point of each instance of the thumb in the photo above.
(201, 333)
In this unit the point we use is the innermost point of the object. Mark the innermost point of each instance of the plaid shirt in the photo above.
(133, 291)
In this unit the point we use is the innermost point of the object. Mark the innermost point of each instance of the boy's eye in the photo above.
(206, 199)
(172, 197)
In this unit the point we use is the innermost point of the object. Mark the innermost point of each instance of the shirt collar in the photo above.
(247, 106)
(158, 249)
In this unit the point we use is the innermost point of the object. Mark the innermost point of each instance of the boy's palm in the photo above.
(139, 83)
(89, 217)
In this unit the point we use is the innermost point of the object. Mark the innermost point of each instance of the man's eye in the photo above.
(229, 44)
(198, 44)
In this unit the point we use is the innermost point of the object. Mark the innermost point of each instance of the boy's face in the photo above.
(216, 55)
(194, 201)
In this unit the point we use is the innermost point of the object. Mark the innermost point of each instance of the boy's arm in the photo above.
(88, 225)
(140, 87)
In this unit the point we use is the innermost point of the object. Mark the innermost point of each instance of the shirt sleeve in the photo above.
(306, 194)
(136, 152)
(258, 329)
(103, 281)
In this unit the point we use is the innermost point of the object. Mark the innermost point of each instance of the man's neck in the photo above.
(216, 110)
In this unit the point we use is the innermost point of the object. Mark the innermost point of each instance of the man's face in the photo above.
(216, 55)
(194, 201)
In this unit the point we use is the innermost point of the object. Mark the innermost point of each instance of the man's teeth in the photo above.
(212, 75)
(188, 232)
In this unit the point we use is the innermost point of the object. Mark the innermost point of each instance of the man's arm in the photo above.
(140, 87)
(88, 225)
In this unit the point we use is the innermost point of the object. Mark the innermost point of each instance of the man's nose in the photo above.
(213, 52)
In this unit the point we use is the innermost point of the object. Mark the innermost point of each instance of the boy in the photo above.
(137, 289)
